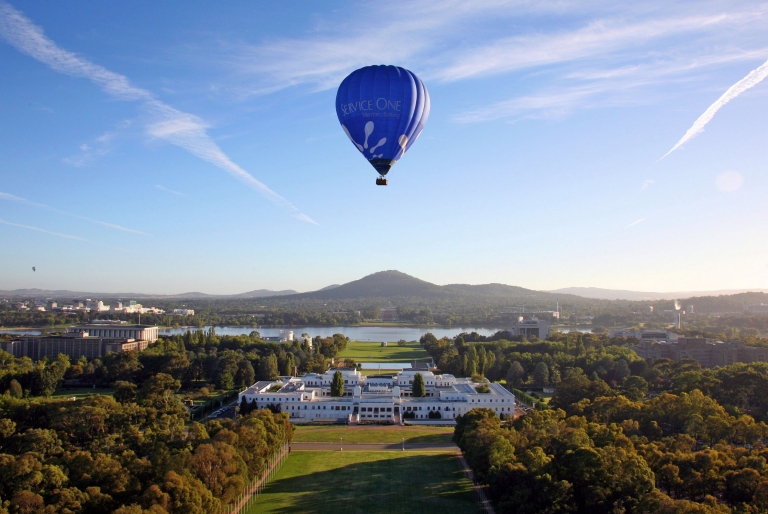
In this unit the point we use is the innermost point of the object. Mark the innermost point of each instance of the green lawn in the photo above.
(320, 434)
(363, 351)
(368, 483)
(81, 392)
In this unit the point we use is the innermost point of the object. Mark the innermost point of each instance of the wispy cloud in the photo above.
(163, 188)
(635, 223)
(628, 55)
(17, 199)
(599, 38)
(646, 184)
(36, 229)
(637, 84)
(751, 80)
(177, 127)
(99, 147)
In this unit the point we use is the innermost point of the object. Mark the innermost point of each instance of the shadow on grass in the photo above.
(431, 438)
(422, 484)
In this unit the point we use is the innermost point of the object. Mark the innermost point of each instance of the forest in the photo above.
(136, 450)
(620, 434)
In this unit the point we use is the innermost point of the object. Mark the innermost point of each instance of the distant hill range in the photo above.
(397, 288)
(621, 294)
(65, 293)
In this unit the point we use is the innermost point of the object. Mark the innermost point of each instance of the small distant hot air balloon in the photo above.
(34, 268)
(382, 109)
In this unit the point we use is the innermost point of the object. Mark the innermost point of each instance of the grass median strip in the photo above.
(373, 435)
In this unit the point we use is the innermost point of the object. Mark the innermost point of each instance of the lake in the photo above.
(355, 333)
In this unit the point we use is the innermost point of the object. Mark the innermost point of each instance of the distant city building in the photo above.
(529, 328)
(708, 352)
(96, 305)
(183, 312)
(758, 309)
(285, 336)
(690, 309)
(90, 341)
(377, 399)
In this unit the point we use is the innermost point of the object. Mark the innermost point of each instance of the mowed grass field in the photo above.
(363, 351)
(368, 483)
(392, 434)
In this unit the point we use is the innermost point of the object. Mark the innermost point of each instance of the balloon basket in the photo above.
(381, 181)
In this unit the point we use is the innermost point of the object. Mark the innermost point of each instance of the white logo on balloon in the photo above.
(368, 131)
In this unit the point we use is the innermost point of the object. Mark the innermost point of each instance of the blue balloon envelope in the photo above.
(382, 109)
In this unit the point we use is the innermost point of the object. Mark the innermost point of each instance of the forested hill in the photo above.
(395, 284)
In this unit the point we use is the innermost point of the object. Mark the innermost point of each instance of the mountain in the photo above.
(622, 294)
(378, 285)
(261, 293)
(492, 289)
(332, 286)
(396, 286)
(65, 293)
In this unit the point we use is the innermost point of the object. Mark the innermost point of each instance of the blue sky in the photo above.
(189, 146)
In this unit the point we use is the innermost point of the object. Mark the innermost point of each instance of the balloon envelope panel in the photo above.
(382, 109)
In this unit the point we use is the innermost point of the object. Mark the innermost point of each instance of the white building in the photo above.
(377, 399)
(530, 328)
(116, 330)
(285, 336)
(96, 305)
(183, 312)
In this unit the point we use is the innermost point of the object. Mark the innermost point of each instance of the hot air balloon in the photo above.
(382, 109)
(34, 269)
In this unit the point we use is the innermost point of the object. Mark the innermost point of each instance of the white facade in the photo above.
(117, 330)
(531, 327)
(376, 399)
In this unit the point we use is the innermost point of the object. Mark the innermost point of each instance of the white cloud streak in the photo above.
(646, 184)
(163, 188)
(17, 199)
(635, 223)
(597, 38)
(751, 80)
(177, 127)
(36, 229)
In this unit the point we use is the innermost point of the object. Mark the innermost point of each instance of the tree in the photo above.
(337, 384)
(621, 370)
(245, 373)
(516, 374)
(225, 380)
(268, 368)
(125, 392)
(15, 389)
(418, 390)
(541, 374)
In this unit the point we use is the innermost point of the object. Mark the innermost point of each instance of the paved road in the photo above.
(374, 447)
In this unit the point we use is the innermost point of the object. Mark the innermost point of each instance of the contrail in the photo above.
(163, 188)
(635, 223)
(754, 78)
(17, 199)
(28, 227)
(179, 128)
